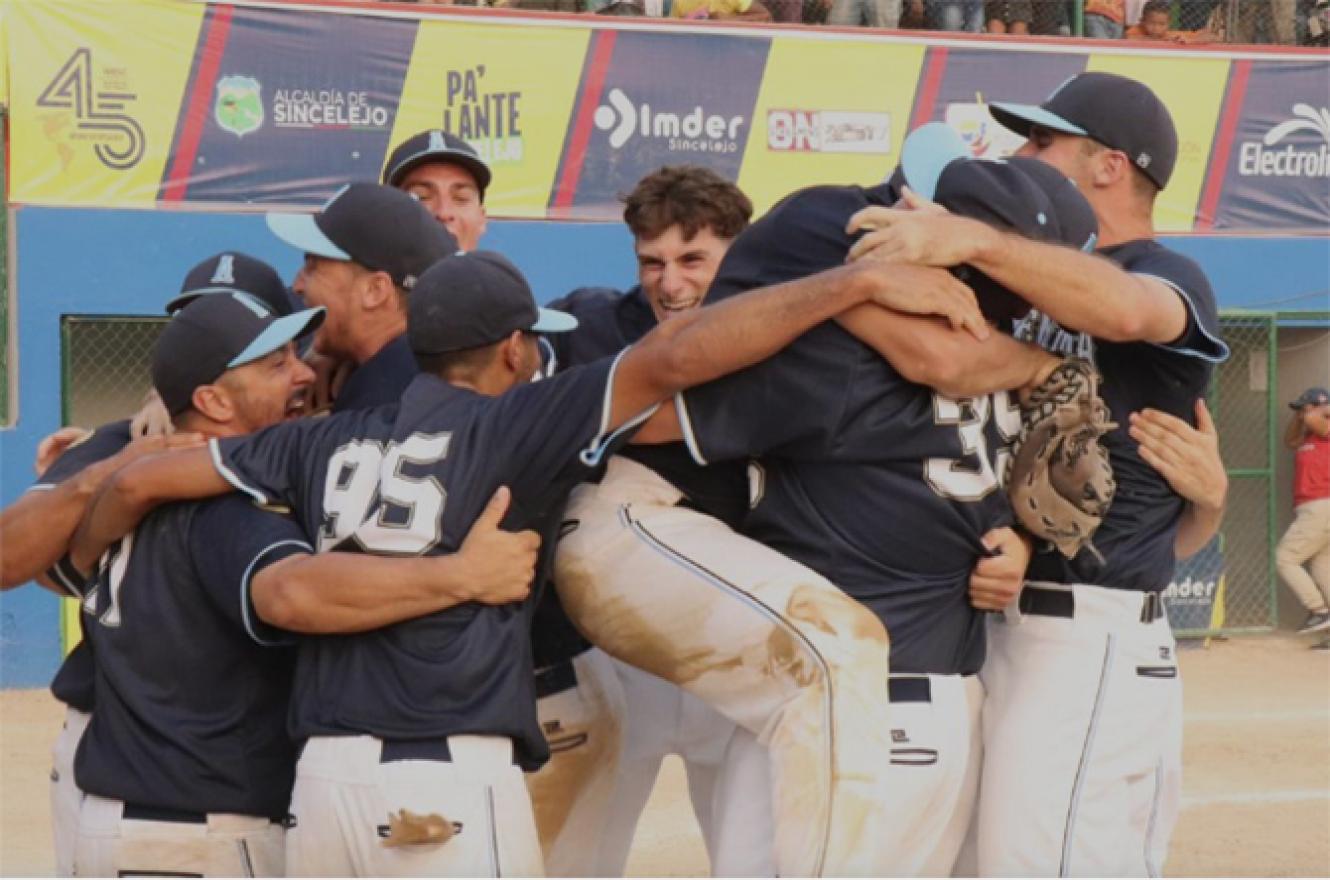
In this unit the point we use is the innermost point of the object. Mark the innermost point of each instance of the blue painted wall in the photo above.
(108, 262)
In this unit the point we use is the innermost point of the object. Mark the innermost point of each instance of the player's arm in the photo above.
(36, 530)
(131, 492)
(353, 592)
(742, 330)
(928, 352)
(1080, 291)
(1188, 458)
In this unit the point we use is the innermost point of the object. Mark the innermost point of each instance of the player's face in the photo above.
(331, 284)
(450, 193)
(268, 390)
(675, 273)
(1155, 25)
(1063, 152)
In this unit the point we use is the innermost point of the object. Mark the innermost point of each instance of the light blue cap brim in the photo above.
(1034, 116)
(554, 321)
(927, 151)
(279, 333)
(302, 233)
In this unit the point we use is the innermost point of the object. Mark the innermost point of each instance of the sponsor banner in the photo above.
(653, 99)
(278, 109)
(1277, 171)
(1193, 90)
(508, 91)
(808, 128)
(4, 61)
(1194, 597)
(95, 92)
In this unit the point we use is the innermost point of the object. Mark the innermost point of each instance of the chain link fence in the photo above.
(106, 366)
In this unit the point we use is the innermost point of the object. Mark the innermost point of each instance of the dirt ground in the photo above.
(1256, 798)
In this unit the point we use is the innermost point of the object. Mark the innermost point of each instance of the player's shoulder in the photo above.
(816, 202)
(588, 300)
(1152, 258)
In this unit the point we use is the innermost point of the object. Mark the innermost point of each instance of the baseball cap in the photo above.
(381, 228)
(475, 299)
(1114, 110)
(436, 145)
(231, 270)
(215, 333)
(1314, 396)
(1026, 196)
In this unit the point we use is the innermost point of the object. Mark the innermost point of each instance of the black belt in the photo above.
(145, 813)
(391, 750)
(555, 679)
(909, 690)
(1062, 603)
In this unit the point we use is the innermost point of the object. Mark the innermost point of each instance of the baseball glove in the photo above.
(1059, 479)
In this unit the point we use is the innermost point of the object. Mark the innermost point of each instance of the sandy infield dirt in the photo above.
(1256, 799)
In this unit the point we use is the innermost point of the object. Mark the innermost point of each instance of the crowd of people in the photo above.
(452, 627)
(1285, 22)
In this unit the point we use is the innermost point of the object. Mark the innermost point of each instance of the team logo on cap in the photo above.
(239, 105)
(1143, 160)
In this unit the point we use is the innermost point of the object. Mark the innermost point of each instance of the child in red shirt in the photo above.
(1308, 538)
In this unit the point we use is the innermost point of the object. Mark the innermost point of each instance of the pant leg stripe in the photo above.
(1151, 869)
(715, 580)
(1069, 831)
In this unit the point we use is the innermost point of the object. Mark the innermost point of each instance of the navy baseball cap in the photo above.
(1114, 110)
(436, 145)
(1026, 196)
(475, 299)
(381, 228)
(232, 270)
(1314, 396)
(216, 333)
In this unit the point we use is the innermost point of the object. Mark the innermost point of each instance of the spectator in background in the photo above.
(865, 13)
(721, 10)
(1308, 538)
(954, 15)
(1154, 25)
(1008, 16)
(1104, 19)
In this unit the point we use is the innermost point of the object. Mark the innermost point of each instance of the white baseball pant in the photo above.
(112, 843)
(1082, 736)
(347, 788)
(609, 734)
(773, 646)
(65, 793)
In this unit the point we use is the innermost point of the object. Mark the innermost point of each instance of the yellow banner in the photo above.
(809, 127)
(509, 91)
(95, 94)
(1193, 90)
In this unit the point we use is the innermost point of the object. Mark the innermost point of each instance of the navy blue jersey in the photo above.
(73, 682)
(883, 486)
(379, 380)
(412, 478)
(1137, 535)
(191, 691)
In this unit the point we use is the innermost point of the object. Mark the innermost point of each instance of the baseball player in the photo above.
(610, 725)
(376, 242)
(187, 765)
(429, 719)
(774, 645)
(1082, 730)
(449, 178)
(35, 531)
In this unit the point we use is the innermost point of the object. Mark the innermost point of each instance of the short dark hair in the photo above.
(462, 363)
(1163, 6)
(689, 196)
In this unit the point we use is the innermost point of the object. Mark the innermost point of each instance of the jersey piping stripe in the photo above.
(686, 427)
(245, 589)
(1069, 832)
(1220, 345)
(592, 455)
(40, 487)
(231, 476)
(710, 577)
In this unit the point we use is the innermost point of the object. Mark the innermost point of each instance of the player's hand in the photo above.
(501, 564)
(329, 377)
(996, 580)
(920, 233)
(920, 290)
(54, 445)
(152, 418)
(1187, 457)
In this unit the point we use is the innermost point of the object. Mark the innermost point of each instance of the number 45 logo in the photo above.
(119, 137)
